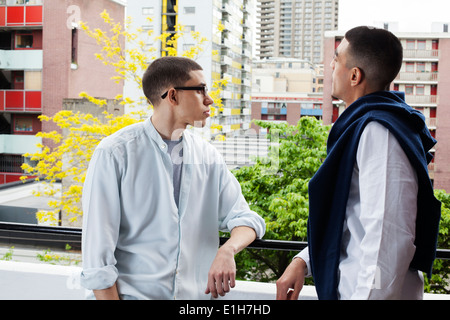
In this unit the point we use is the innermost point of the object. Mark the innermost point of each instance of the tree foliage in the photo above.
(440, 279)
(277, 189)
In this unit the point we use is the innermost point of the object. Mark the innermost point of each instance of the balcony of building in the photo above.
(421, 99)
(21, 59)
(28, 275)
(421, 54)
(418, 77)
(21, 101)
(19, 144)
(21, 13)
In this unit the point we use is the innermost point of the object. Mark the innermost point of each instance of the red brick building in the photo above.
(45, 58)
(425, 79)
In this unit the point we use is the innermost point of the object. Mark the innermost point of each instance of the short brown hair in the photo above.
(377, 52)
(166, 72)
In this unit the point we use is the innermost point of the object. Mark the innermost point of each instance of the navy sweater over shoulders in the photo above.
(329, 188)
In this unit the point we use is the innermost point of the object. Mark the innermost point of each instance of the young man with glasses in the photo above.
(156, 196)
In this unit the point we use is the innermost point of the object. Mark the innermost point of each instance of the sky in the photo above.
(411, 15)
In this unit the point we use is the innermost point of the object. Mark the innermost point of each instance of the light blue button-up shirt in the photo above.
(134, 233)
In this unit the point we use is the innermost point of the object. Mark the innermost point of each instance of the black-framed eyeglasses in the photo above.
(203, 89)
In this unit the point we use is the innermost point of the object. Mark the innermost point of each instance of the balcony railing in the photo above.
(30, 281)
(15, 145)
(421, 54)
(40, 235)
(21, 100)
(20, 15)
(274, 111)
(21, 59)
(415, 99)
(418, 76)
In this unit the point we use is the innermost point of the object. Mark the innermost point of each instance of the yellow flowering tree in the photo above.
(73, 145)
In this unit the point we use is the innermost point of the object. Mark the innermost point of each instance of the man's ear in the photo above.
(172, 96)
(357, 76)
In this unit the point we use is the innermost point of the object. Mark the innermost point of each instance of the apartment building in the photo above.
(233, 45)
(295, 28)
(425, 79)
(45, 58)
(284, 89)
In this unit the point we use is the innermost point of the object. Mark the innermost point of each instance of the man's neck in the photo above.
(166, 129)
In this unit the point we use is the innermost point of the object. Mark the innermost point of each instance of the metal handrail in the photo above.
(75, 235)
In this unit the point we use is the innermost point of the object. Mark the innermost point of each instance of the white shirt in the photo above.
(379, 228)
(134, 233)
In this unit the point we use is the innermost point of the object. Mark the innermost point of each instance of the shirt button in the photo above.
(163, 146)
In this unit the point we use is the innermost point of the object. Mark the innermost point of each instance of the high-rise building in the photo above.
(226, 55)
(295, 28)
(44, 58)
(424, 78)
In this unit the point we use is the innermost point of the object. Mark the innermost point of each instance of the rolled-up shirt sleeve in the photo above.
(304, 255)
(101, 221)
(234, 209)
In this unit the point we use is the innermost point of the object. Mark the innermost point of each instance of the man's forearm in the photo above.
(240, 238)
(107, 294)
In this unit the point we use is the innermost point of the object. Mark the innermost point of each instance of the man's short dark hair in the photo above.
(164, 73)
(377, 52)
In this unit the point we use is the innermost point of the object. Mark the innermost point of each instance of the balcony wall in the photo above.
(14, 16)
(418, 77)
(38, 281)
(21, 100)
(19, 144)
(21, 59)
(420, 54)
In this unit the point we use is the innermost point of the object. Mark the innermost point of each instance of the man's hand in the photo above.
(222, 274)
(291, 282)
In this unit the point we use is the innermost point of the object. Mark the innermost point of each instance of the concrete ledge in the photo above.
(39, 281)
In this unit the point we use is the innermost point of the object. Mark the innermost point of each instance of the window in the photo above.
(409, 89)
(23, 124)
(188, 46)
(410, 67)
(74, 45)
(410, 44)
(24, 40)
(420, 90)
(421, 45)
(17, 80)
(189, 10)
(147, 11)
(420, 67)
(33, 80)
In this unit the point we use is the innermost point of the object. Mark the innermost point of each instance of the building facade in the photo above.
(226, 24)
(45, 58)
(284, 89)
(295, 28)
(424, 78)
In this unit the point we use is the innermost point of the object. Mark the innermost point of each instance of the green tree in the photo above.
(277, 189)
(440, 279)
